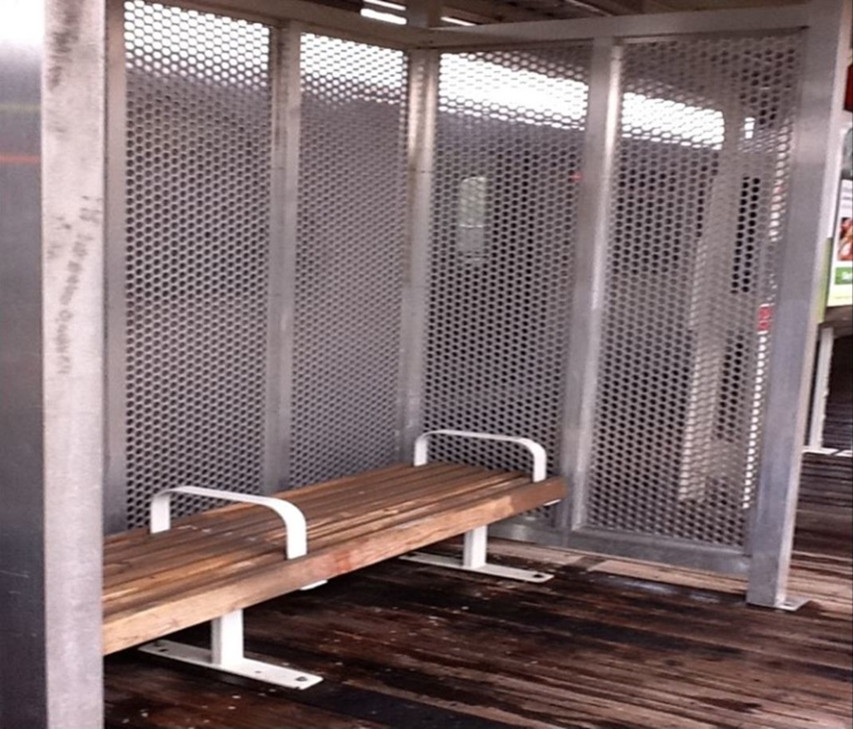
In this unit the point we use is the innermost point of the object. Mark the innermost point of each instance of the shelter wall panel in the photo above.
(700, 200)
(197, 253)
(509, 138)
(350, 258)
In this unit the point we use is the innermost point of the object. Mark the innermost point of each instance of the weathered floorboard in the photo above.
(607, 644)
(233, 558)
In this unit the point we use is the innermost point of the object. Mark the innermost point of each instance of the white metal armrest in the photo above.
(291, 515)
(540, 457)
(226, 640)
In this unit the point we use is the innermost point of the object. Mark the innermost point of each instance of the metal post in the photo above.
(285, 45)
(587, 312)
(115, 486)
(423, 102)
(52, 60)
(800, 269)
(226, 639)
(23, 692)
(73, 262)
(475, 547)
(820, 388)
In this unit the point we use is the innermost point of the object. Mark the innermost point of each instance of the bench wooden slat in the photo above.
(160, 587)
(115, 543)
(267, 538)
(123, 549)
(239, 562)
(157, 585)
(216, 548)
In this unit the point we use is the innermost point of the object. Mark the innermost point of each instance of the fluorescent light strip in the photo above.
(385, 4)
(385, 17)
(456, 21)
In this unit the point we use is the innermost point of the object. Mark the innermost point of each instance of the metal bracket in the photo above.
(792, 604)
(291, 515)
(474, 559)
(494, 570)
(226, 632)
(475, 550)
(540, 457)
(226, 654)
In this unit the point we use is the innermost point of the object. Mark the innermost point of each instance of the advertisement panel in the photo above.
(840, 291)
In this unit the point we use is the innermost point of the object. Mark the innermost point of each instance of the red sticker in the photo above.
(765, 317)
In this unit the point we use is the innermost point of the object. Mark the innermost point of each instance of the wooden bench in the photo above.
(211, 566)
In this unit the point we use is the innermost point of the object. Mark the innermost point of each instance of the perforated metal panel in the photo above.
(350, 256)
(508, 148)
(699, 203)
(198, 176)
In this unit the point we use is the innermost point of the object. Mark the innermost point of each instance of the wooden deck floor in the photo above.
(608, 644)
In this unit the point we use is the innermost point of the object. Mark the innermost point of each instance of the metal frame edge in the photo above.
(285, 46)
(423, 104)
(115, 485)
(73, 294)
(795, 318)
(623, 27)
(590, 268)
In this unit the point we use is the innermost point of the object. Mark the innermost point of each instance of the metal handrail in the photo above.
(296, 539)
(539, 471)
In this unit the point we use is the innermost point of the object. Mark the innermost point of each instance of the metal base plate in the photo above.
(509, 573)
(792, 604)
(246, 667)
(823, 451)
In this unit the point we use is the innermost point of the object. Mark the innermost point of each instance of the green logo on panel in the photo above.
(843, 275)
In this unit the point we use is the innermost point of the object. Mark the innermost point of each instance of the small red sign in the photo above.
(765, 317)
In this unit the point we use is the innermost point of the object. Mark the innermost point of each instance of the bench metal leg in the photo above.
(226, 654)
(475, 559)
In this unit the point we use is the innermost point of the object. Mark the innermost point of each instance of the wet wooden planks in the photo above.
(825, 511)
(232, 557)
(826, 480)
(606, 644)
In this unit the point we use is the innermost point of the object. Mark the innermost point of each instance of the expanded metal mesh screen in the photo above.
(198, 176)
(350, 258)
(508, 145)
(699, 200)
